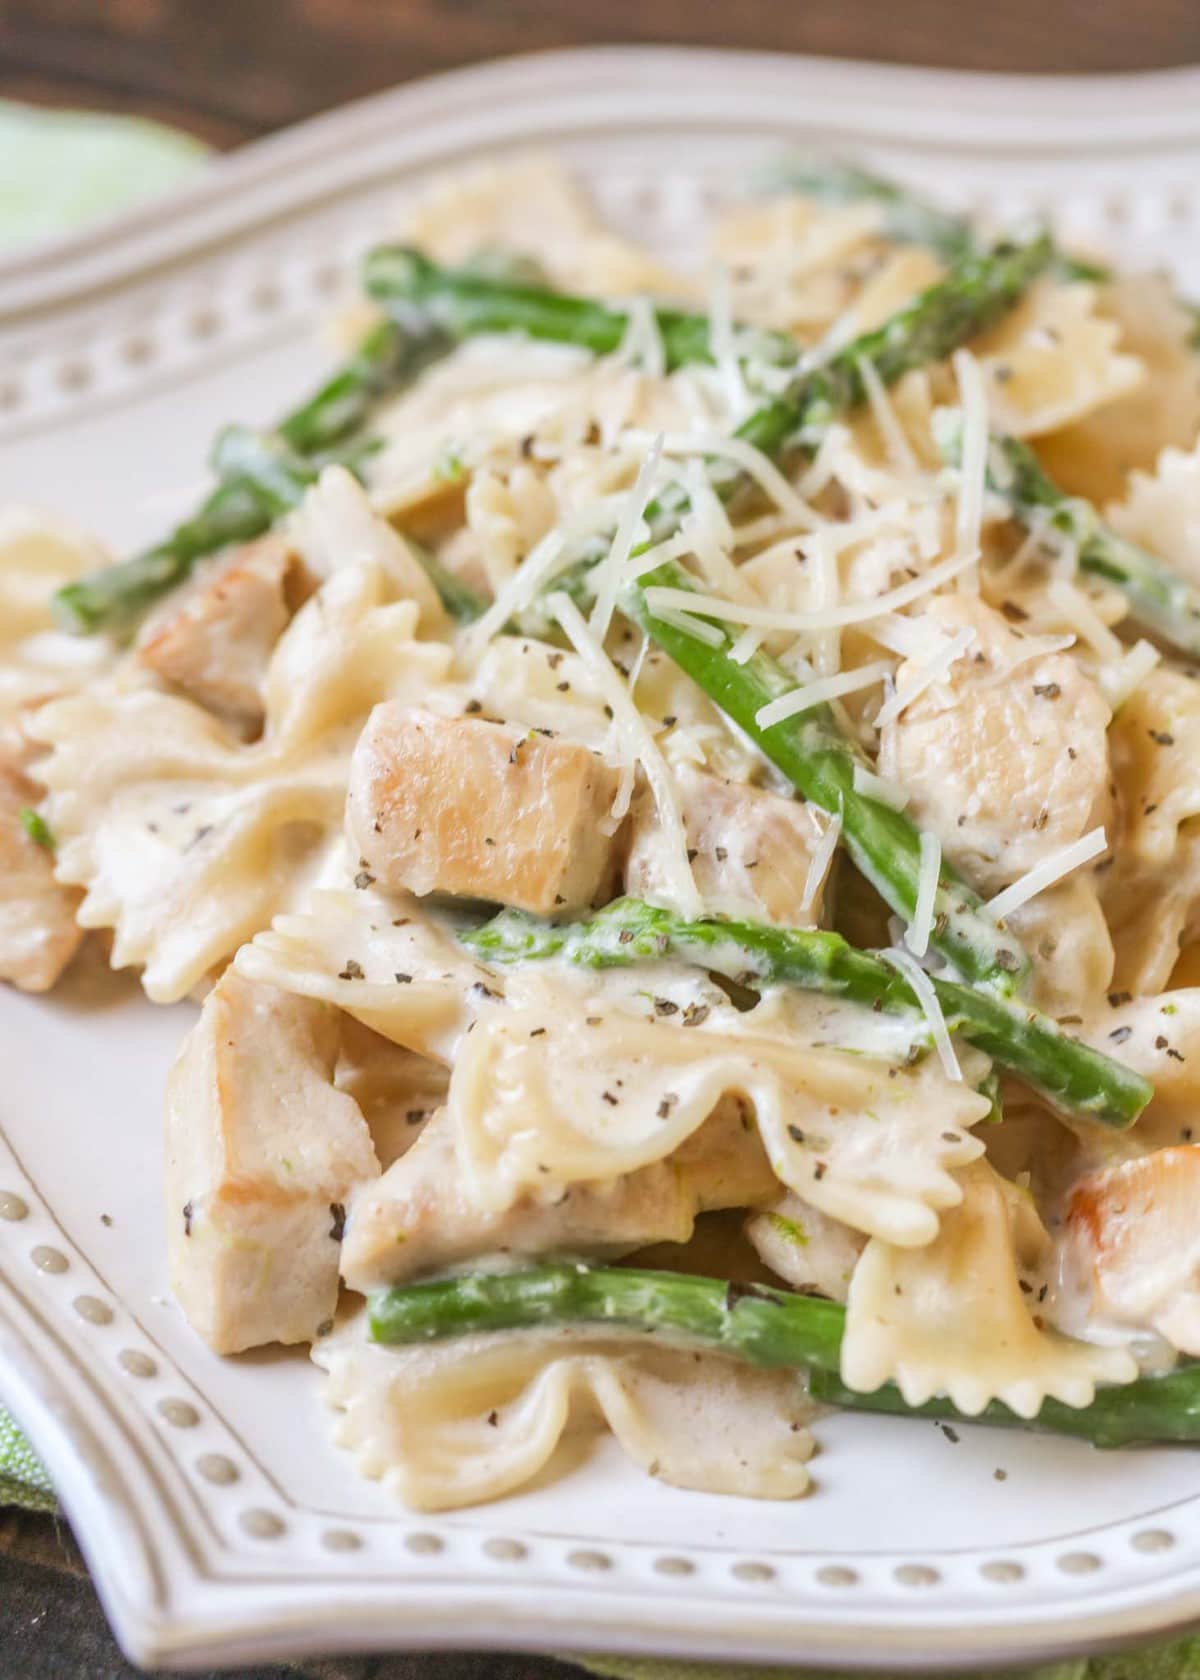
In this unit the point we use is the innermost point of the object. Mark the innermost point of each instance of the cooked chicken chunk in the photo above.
(38, 931)
(261, 1155)
(1133, 1232)
(456, 805)
(421, 1216)
(1006, 759)
(751, 850)
(217, 643)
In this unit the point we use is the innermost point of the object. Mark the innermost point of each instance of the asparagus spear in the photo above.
(1071, 1075)
(1159, 599)
(767, 1327)
(242, 507)
(819, 761)
(279, 477)
(466, 301)
(907, 218)
(912, 220)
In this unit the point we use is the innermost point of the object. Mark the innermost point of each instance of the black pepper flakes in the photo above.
(695, 1014)
(187, 1218)
(363, 879)
(402, 979)
(337, 1213)
(352, 971)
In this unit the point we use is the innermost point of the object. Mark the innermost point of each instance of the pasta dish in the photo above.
(677, 796)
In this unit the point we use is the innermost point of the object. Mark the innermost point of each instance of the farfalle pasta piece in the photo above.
(186, 840)
(951, 1319)
(38, 556)
(549, 1093)
(796, 265)
(456, 1423)
(531, 206)
(38, 931)
(379, 959)
(1052, 359)
(1155, 751)
(1094, 456)
(1161, 511)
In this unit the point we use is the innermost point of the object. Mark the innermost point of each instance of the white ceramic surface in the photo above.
(219, 1523)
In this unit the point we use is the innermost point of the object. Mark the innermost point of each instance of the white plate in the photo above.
(218, 1522)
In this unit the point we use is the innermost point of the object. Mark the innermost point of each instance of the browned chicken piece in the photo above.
(420, 1216)
(1133, 1235)
(1006, 759)
(217, 644)
(750, 850)
(480, 810)
(261, 1155)
(38, 931)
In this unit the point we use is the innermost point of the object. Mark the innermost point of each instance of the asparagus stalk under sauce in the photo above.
(1071, 1075)
(767, 1327)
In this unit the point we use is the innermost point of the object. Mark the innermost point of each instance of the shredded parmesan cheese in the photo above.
(771, 618)
(752, 461)
(881, 788)
(921, 926)
(907, 964)
(972, 477)
(1079, 613)
(925, 672)
(636, 742)
(721, 343)
(1046, 873)
(746, 646)
(642, 345)
(1118, 681)
(609, 574)
(814, 693)
(821, 858)
(895, 442)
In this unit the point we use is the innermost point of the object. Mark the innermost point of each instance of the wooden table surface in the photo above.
(229, 71)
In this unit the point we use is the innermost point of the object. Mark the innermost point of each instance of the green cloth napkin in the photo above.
(64, 168)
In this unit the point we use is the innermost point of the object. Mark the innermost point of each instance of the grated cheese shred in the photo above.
(906, 964)
(926, 671)
(815, 693)
(921, 926)
(822, 857)
(609, 574)
(968, 521)
(1046, 873)
(635, 742)
(837, 617)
